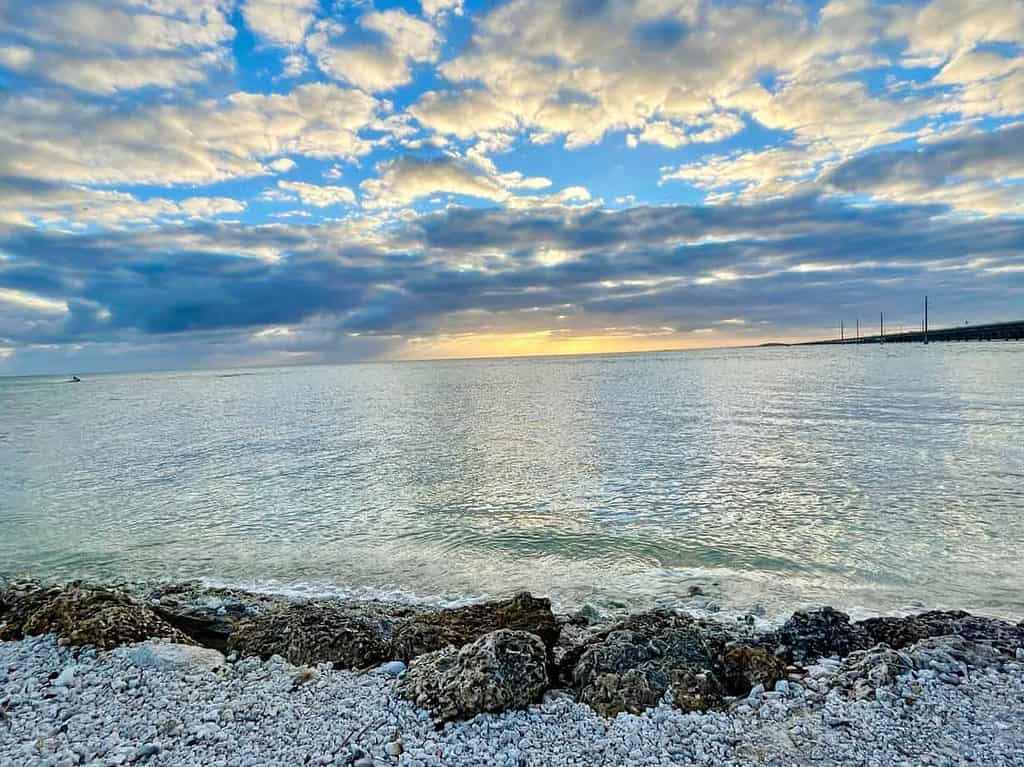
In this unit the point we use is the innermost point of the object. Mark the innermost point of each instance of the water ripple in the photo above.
(866, 477)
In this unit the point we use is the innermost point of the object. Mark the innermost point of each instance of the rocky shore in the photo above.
(186, 674)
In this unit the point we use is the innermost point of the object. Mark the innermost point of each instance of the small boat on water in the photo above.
(75, 379)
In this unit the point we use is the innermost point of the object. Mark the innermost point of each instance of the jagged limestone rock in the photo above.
(500, 671)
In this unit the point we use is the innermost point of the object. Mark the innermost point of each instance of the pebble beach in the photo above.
(187, 674)
(64, 706)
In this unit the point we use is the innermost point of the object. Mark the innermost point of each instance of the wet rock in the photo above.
(572, 642)
(812, 634)
(863, 672)
(349, 634)
(18, 600)
(500, 671)
(745, 667)
(82, 614)
(433, 630)
(355, 635)
(904, 631)
(632, 691)
(634, 664)
(207, 614)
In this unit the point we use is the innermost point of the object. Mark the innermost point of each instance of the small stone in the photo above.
(66, 678)
(144, 752)
(393, 668)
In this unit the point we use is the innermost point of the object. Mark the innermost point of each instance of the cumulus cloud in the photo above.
(848, 152)
(31, 202)
(317, 195)
(281, 164)
(208, 141)
(762, 173)
(404, 180)
(981, 172)
(440, 7)
(210, 207)
(462, 113)
(105, 46)
(279, 22)
(679, 267)
(398, 40)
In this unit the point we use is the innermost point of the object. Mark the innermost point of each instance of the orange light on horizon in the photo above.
(551, 343)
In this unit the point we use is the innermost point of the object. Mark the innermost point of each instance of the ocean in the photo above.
(873, 478)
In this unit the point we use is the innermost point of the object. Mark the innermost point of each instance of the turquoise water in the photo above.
(875, 478)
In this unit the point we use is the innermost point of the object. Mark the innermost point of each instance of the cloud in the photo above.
(211, 140)
(281, 165)
(31, 202)
(716, 127)
(674, 74)
(397, 42)
(981, 172)
(319, 196)
(434, 8)
(848, 153)
(16, 57)
(210, 207)
(466, 270)
(764, 173)
(462, 113)
(406, 179)
(279, 22)
(106, 46)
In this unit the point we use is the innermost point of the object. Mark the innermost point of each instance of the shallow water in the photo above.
(875, 478)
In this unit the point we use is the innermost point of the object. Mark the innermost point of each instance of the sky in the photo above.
(201, 183)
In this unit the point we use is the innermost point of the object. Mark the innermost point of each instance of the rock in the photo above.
(744, 667)
(355, 635)
(631, 666)
(208, 615)
(905, 631)
(145, 752)
(167, 655)
(395, 748)
(864, 671)
(500, 671)
(394, 668)
(66, 678)
(632, 691)
(303, 675)
(558, 695)
(82, 614)
(434, 630)
(812, 634)
(573, 639)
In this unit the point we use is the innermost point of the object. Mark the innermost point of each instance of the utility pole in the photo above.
(926, 319)
(858, 330)
(881, 326)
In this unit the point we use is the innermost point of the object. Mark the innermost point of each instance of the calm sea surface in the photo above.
(873, 478)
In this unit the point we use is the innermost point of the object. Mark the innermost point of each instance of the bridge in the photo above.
(998, 331)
